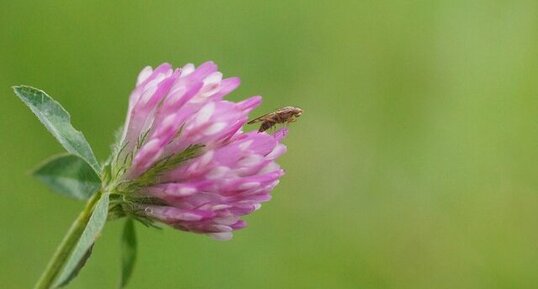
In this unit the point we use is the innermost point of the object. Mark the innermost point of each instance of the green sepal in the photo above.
(151, 175)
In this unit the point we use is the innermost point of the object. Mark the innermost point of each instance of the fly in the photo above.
(283, 115)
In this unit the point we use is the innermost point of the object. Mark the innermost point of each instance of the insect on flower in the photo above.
(282, 115)
(182, 159)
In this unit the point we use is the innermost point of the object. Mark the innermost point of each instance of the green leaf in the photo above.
(82, 250)
(69, 176)
(57, 120)
(128, 252)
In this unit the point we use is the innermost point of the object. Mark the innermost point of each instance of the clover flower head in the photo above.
(183, 159)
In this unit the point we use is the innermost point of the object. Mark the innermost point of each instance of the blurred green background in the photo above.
(414, 165)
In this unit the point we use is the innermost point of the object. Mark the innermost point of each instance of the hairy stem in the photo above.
(67, 245)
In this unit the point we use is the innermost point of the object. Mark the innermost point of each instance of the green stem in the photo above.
(67, 245)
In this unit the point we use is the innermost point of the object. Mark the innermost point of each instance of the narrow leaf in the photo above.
(57, 120)
(70, 176)
(78, 266)
(82, 251)
(128, 252)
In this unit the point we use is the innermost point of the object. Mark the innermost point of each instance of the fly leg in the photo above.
(266, 125)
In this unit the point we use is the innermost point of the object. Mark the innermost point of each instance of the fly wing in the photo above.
(259, 118)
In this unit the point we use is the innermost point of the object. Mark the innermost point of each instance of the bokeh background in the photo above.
(414, 165)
